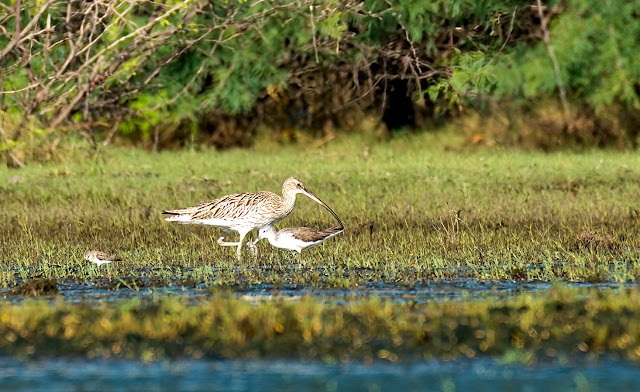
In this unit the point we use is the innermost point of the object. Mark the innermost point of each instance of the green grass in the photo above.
(561, 324)
(415, 210)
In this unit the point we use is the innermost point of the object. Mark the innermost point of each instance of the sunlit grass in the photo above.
(414, 211)
(561, 324)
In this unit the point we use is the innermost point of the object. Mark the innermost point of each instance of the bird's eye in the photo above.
(299, 185)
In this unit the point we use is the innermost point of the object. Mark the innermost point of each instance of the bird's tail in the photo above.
(333, 230)
(180, 215)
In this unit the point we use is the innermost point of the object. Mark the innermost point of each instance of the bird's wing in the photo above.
(333, 230)
(106, 256)
(233, 206)
(308, 234)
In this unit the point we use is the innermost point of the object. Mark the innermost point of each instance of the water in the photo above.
(284, 375)
(451, 290)
(480, 374)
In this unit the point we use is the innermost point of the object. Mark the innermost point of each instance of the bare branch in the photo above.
(65, 112)
(554, 60)
(20, 36)
(137, 32)
(313, 33)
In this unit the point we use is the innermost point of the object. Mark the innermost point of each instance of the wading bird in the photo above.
(99, 258)
(244, 212)
(296, 238)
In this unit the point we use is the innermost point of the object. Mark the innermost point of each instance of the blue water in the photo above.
(286, 375)
(445, 290)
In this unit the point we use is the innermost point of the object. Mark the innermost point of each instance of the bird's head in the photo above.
(292, 186)
(266, 231)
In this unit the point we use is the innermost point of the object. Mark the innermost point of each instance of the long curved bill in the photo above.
(314, 198)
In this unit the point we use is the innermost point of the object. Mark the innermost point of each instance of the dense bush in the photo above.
(595, 43)
(216, 69)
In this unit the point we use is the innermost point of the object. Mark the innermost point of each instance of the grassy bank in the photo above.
(559, 324)
(414, 210)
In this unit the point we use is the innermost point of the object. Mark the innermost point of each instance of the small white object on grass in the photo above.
(99, 258)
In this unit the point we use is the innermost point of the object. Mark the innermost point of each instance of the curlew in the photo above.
(296, 238)
(244, 212)
(99, 258)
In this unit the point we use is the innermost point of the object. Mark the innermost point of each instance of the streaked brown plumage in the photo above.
(99, 258)
(243, 212)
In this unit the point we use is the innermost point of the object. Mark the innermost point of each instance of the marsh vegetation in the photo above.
(418, 211)
(561, 324)
(414, 212)
(402, 116)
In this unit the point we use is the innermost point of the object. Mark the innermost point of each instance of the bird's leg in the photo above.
(239, 251)
(222, 242)
(252, 244)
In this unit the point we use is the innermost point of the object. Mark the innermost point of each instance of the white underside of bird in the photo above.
(99, 258)
(288, 242)
(293, 238)
(241, 226)
(228, 224)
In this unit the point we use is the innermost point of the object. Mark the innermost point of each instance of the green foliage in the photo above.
(595, 42)
(250, 51)
(223, 57)
(471, 73)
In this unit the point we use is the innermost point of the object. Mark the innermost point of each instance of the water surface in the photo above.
(283, 375)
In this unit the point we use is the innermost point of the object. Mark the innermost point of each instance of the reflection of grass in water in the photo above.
(562, 324)
(413, 212)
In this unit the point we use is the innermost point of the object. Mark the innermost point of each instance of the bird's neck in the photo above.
(288, 201)
(271, 236)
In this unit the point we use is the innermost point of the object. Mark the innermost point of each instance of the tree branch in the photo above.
(554, 60)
